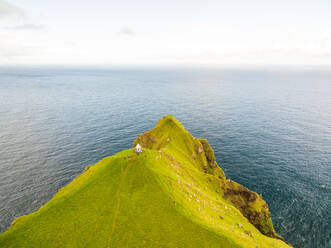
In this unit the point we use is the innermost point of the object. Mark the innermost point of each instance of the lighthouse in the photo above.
(138, 149)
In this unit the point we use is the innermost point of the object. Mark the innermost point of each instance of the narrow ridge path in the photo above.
(118, 196)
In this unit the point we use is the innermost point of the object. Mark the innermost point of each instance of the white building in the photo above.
(138, 149)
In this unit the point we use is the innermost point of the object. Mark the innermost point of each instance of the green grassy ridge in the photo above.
(173, 139)
(116, 203)
(163, 197)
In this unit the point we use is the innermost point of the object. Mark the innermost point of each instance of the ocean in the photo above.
(270, 129)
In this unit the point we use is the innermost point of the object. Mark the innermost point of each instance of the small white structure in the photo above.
(138, 149)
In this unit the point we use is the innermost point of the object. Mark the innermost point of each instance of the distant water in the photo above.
(271, 131)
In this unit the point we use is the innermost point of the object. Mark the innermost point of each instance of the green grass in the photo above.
(173, 194)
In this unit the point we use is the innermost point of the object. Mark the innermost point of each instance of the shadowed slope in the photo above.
(171, 137)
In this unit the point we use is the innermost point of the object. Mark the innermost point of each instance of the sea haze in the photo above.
(270, 129)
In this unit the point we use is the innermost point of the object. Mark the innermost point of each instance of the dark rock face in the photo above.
(249, 204)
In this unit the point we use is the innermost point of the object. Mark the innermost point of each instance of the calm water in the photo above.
(271, 131)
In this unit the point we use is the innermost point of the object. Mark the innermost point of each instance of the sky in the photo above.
(171, 32)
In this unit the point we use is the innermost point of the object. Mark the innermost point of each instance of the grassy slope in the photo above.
(171, 195)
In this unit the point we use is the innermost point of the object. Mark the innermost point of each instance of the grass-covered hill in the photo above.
(173, 194)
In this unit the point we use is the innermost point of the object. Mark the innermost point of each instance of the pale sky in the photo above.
(167, 32)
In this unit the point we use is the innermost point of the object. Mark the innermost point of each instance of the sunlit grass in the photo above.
(170, 195)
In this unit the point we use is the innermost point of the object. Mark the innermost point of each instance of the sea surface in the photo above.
(270, 129)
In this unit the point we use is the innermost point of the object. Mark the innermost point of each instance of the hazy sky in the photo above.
(167, 32)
